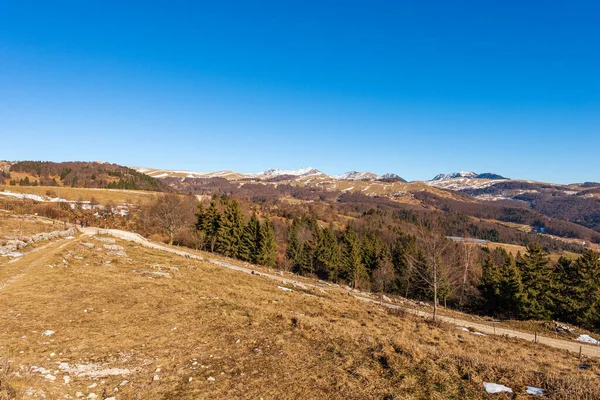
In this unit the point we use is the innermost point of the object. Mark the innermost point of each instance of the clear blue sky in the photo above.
(411, 87)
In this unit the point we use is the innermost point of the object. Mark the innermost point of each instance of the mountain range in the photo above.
(309, 171)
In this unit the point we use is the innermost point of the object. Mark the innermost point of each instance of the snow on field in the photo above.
(34, 197)
(534, 390)
(496, 388)
(13, 254)
(284, 288)
(85, 204)
(462, 328)
(587, 339)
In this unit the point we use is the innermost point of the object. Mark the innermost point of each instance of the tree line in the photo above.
(529, 286)
(223, 229)
(415, 260)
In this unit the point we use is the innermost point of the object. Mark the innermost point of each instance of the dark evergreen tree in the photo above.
(510, 288)
(405, 274)
(268, 248)
(295, 251)
(209, 222)
(251, 241)
(587, 299)
(568, 293)
(374, 251)
(229, 236)
(327, 255)
(489, 286)
(538, 285)
(353, 270)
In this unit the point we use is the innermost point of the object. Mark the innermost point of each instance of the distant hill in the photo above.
(389, 177)
(80, 174)
(489, 175)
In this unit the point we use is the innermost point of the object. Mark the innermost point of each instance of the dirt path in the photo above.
(573, 346)
(15, 269)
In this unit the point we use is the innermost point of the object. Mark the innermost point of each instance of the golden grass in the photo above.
(23, 225)
(102, 196)
(254, 339)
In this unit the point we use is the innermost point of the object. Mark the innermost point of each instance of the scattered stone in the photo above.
(105, 240)
(210, 379)
(91, 370)
(155, 378)
(49, 332)
(50, 377)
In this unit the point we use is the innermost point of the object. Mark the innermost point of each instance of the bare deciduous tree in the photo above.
(383, 277)
(171, 213)
(434, 260)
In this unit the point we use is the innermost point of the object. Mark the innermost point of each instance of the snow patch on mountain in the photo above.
(356, 176)
(297, 172)
(454, 175)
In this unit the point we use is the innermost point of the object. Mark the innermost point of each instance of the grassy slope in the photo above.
(102, 196)
(255, 339)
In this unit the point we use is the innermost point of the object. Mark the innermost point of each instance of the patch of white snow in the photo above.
(496, 388)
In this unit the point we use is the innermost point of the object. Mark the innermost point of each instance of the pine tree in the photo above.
(501, 286)
(301, 245)
(538, 285)
(510, 288)
(490, 285)
(405, 274)
(353, 269)
(374, 251)
(294, 247)
(268, 249)
(229, 235)
(327, 255)
(209, 222)
(251, 241)
(588, 299)
(568, 291)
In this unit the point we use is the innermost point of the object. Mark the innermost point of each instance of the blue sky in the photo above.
(410, 87)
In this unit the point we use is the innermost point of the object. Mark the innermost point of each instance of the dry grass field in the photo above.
(101, 196)
(136, 323)
(22, 225)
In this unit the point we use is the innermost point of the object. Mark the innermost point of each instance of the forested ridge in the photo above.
(80, 174)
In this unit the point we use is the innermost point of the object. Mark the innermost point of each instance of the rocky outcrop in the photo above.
(13, 245)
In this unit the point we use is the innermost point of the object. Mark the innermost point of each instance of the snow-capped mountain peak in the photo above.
(454, 175)
(298, 172)
(356, 176)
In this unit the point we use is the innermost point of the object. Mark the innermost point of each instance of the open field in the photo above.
(152, 325)
(101, 196)
(21, 225)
